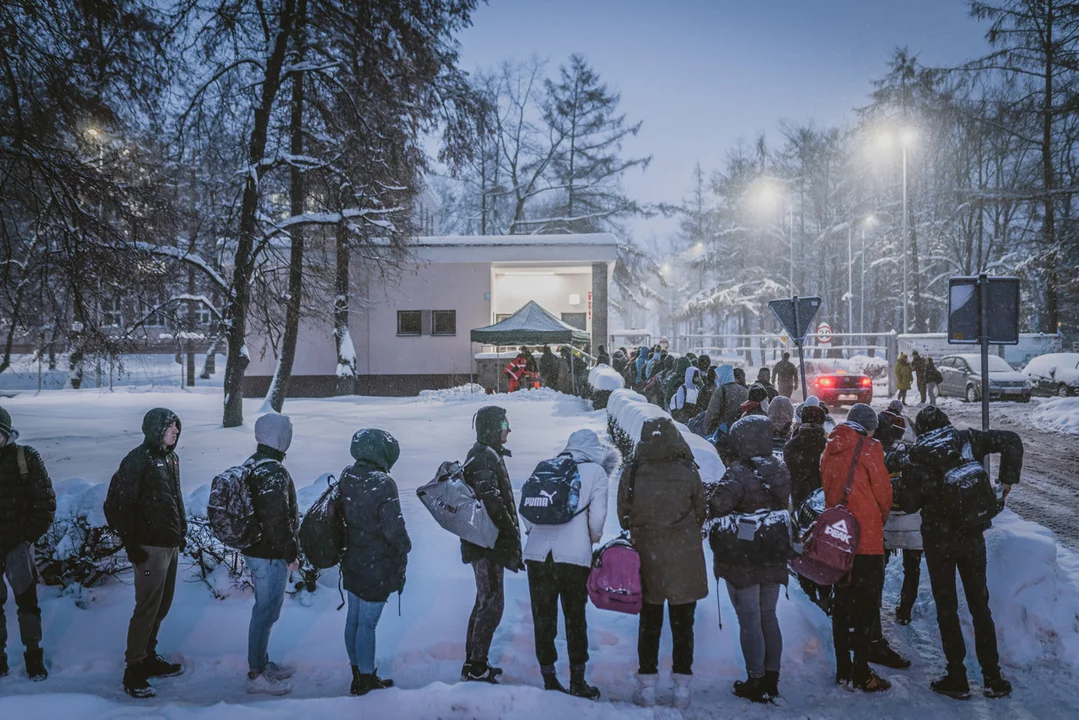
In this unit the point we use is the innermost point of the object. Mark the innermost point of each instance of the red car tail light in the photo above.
(825, 382)
(867, 382)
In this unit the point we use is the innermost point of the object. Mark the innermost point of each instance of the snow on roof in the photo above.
(589, 239)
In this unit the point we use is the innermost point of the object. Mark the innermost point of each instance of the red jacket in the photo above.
(870, 497)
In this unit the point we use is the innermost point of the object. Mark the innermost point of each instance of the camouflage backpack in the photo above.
(231, 509)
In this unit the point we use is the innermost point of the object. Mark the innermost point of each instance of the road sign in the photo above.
(824, 334)
(796, 315)
(965, 314)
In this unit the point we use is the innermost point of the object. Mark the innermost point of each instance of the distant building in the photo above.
(412, 332)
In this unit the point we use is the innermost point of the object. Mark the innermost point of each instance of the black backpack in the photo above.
(552, 494)
(322, 531)
(966, 492)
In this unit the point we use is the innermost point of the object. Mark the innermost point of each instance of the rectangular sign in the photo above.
(965, 310)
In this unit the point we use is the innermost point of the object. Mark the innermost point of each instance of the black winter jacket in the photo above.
(931, 457)
(27, 505)
(802, 454)
(376, 555)
(274, 496)
(150, 505)
(485, 472)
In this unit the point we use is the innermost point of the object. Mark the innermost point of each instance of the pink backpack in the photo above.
(832, 542)
(615, 580)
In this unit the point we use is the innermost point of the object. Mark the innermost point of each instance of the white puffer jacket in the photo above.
(572, 543)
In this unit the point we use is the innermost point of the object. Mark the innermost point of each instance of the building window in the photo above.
(444, 322)
(203, 315)
(577, 320)
(409, 322)
(111, 316)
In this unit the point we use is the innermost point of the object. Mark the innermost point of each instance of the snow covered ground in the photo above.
(83, 436)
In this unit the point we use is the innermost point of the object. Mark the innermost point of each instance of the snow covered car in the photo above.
(837, 383)
(1054, 374)
(962, 378)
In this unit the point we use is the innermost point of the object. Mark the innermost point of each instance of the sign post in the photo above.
(983, 311)
(796, 315)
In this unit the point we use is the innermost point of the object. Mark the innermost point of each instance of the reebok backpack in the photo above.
(231, 508)
(552, 493)
(615, 580)
(966, 493)
(322, 530)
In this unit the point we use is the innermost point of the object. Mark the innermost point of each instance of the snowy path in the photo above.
(86, 435)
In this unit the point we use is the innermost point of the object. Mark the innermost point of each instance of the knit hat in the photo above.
(274, 431)
(812, 414)
(5, 425)
(863, 415)
(930, 418)
(895, 407)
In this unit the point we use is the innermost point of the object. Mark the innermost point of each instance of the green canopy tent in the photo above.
(531, 325)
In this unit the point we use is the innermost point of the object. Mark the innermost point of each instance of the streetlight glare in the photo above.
(908, 137)
(870, 219)
(93, 132)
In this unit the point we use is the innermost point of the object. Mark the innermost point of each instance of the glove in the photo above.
(136, 554)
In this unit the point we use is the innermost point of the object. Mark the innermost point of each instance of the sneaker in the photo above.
(465, 670)
(645, 694)
(996, 687)
(135, 683)
(278, 672)
(482, 672)
(880, 653)
(752, 689)
(264, 684)
(953, 686)
(35, 664)
(870, 682)
(155, 666)
(902, 615)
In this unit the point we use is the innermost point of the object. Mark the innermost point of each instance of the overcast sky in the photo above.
(703, 74)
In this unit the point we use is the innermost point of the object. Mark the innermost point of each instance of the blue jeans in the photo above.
(269, 578)
(360, 632)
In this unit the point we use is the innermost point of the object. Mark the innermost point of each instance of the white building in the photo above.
(412, 333)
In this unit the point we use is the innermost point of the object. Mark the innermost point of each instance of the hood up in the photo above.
(376, 448)
(585, 446)
(154, 425)
(752, 437)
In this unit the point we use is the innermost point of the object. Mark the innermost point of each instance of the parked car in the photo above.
(962, 378)
(835, 384)
(1054, 374)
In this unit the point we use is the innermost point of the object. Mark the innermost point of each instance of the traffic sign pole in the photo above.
(983, 287)
(801, 353)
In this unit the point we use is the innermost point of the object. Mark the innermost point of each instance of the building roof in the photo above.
(549, 250)
(589, 239)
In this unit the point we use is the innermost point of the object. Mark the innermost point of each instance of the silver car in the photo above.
(962, 378)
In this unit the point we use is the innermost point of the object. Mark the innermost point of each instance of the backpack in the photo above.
(322, 530)
(753, 539)
(830, 545)
(966, 493)
(231, 508)
(453, 504)
(112, 506)
(615, 580)
(552, 493)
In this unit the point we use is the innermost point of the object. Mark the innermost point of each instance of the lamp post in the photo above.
(906, 139)
(850, 277)
(766, 194)
(861, 304)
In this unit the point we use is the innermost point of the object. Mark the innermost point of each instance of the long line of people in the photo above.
(775, 466)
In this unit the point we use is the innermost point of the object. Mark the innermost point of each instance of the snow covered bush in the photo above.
(603, 380)
(74, 552)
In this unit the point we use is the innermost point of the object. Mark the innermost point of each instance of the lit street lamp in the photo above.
(906, 139)
(767, 194)
(861, 305)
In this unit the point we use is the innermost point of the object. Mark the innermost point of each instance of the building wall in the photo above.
(514, 289)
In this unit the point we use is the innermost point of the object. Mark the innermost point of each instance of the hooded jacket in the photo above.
(755, 481)
(572, 542)
(27, 505)
(376, 554)
(676, 377)
(725, 405)
(904, 375)
(781, 413)
(149, 502)
(485, 472)
(548, 367)
(274, 493)
(661, 503)
(870, 498)
(641, 364)
(802, 455)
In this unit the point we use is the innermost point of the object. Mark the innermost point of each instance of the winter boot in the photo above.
(156, 666)
(880, 653)
(482, 672)
(952, 685)
(771, 684)
(3, 663)
(265, 684)
(577, 685)
(35, 664)
(135, 683)
(354, 689)
(683, 690)
(868, 681)
(645, 694)
(754, 689)
(550, 679)
(366, 683)
(995, 686)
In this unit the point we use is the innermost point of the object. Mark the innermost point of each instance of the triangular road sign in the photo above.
(796, 315)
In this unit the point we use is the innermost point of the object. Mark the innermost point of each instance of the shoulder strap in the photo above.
(853, 468)
(20, 458)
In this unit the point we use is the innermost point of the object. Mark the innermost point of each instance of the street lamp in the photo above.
(766, 196)
(907, 136)
(869, 220)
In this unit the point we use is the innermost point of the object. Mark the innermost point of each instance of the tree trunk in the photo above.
(279, 387)
(346, 351)
(238, 357)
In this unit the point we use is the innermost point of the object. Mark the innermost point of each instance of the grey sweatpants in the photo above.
(18, 568)
(762, 643)
(155, 583)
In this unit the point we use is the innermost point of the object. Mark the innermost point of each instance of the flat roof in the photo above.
(585, 239)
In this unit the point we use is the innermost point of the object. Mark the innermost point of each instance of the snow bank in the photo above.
(1057, 414)
(604, 377)
(630, 411)
(477, 393)
(875, 367)
(1035, 603)
(81, 498)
